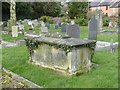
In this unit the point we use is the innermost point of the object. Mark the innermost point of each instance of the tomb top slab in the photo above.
(65, 40)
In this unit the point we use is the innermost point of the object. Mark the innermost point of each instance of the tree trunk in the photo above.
(12, 14)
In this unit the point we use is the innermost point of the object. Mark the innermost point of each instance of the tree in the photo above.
(12, 13)
(78, 9)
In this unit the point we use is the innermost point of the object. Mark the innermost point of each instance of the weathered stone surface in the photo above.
(93, 29)
(73, 30)
(14, 31)
(51, 53)
(59, 24)
(98, 16)
(63, 27)
(43, 29)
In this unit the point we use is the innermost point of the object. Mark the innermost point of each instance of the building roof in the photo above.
(94, 4)
(105, 2)
(116, 4)
(112, 3)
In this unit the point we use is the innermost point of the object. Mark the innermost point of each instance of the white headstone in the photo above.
(14, 31)
(44, 29)
(43, 24)
(72, 22)
(30, 23)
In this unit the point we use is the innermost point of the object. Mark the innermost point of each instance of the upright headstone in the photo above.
(47, 25)
(98, 16)
(43, 24)
(43, 29)
(56, 26)
(63, 27)
(36, 24)
(111, 48)
(59, 24)
(92, 29)
(117, 29)
(14, 31)
(73, 30)
(72, 22)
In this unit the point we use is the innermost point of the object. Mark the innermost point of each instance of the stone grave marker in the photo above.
(47, 25)
(36, 24)
(92, 29)
(43, 24)
(73, 30)
(111, 48)
(56, 26)
(98, 16)
(43, 29)
(59, 24)
(63, 27)
(14, 31)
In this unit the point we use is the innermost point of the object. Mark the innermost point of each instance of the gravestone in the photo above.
(73, 30)
(14, 31)
(43, 24)
(72, 22)
(36, 24)
(117, 29)
(20, 42)
(56, 26)
(43, 29)
(92, 29)
(47, 25)
(59, 24)
(112, 47)
(98, 16)
(63, 27)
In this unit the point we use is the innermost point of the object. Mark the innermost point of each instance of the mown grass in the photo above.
(103, 76)
(83, 34)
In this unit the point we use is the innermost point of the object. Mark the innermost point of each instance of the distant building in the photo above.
(108, 7)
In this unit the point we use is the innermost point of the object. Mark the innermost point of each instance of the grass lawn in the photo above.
(83, 34)
(103, 76)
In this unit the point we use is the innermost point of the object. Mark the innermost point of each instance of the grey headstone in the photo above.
(56, 26)
(63, 27)
(98, 16)
(20, 42)
(92, 29)
(73, 30)
(47, 25)
(111, 48)
(59, 24)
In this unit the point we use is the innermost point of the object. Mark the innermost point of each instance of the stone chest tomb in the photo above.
(61, 53)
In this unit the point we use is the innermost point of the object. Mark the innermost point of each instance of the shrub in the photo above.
(81, 22)
(90, 14)
(105, 22)
(47, 19)
(66, 21)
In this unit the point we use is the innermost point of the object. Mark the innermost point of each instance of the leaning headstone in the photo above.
(14, 31)
(92, 29)
(43, 29)
(73, 30)
(47, 25)
(63, 27)
(56, 26)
